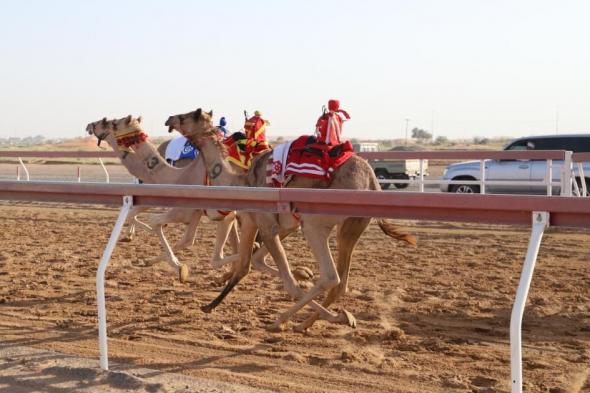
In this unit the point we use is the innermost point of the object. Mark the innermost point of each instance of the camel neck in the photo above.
(145, 163)
(219, 171)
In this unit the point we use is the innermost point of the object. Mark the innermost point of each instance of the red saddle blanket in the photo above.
(306, 157)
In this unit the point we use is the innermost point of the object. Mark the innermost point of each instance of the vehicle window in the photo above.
(575, 144)
(520, 145)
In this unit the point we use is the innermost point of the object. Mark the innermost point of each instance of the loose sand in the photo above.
(430, 319)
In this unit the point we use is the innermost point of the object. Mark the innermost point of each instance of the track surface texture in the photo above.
(430, 319)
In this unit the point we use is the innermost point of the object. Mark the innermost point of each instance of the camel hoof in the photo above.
(346, 318)
(301, 328)
(275, 327)
(207, 309)
(126, 239)
(183, 273)
(302, 273)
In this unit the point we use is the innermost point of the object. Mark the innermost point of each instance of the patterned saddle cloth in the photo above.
(305, 157)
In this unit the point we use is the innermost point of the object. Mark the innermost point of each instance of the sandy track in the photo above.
(430, 319)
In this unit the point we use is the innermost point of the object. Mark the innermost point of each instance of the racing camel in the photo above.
(128, 131)
(147, 163)
(354, 174)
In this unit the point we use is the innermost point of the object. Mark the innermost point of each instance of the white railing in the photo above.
(57, 154)
(566, 183)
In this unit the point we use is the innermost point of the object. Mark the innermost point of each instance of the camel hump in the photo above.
(393, 231)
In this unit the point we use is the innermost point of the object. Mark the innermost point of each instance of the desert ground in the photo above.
(430, 319)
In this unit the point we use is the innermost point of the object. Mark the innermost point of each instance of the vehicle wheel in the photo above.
(383, 175)
(403, 176)
(465, 189)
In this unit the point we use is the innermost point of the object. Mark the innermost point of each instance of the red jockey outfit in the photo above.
(255, 129)
(329, 126)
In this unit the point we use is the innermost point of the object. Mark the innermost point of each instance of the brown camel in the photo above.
(355, 174)
(145, 153)
(136, 210)
(193, 172)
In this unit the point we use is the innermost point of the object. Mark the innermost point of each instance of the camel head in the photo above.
(100, 129)
(128, 131)
(192, 125)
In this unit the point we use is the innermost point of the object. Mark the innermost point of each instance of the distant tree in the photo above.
(421, 135)
(441, 140)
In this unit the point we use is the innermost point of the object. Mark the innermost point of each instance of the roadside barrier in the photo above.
(566, 171)
(19, 154)
(537, 211)
(566, 184)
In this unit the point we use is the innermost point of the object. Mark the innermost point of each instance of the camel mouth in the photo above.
(170, 128)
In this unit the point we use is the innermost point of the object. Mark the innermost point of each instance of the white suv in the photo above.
(519, 170)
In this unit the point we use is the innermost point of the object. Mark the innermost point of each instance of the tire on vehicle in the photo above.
(401, 176)
(464, 188)
(383, 175)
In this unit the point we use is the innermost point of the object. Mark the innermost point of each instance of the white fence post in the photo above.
(25, 168)
(582, 179)
(102, 267)
(482, 176)
(421, 175)
(540, 222)
(104, 168)
(566, 175)
(549, 178)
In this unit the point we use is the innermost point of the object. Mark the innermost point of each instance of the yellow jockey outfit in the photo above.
(241, 150)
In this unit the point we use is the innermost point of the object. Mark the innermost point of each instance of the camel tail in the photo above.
(395, 232)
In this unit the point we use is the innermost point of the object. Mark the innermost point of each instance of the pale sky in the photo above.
(468, 67)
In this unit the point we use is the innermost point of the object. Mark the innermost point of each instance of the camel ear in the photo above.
(104, 122)
(197, 114)
(128, 120)
(211, 113)
(139, 119)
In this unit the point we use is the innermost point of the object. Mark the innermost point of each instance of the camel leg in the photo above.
(133, 221)
(316, 232)
(258, 262)
(158, 221)
(241, 267)
(224, 228)
(189, 235)
(175, 215)
(270, 236)
(170, 257)
(234, 237)
(348, 236)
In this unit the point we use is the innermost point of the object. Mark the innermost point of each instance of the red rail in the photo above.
(498, 209)
(580, 157)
